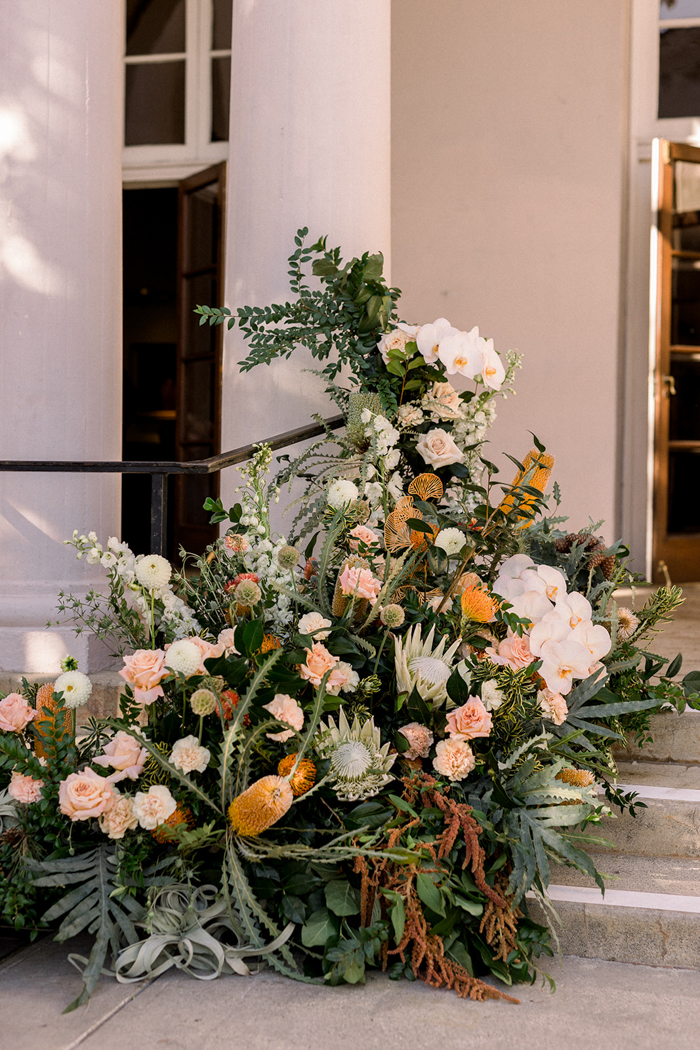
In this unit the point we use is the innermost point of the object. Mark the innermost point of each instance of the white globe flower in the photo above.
(153, 572)
(341, 492)
(450, 540)
(76, 688)
(183, 657)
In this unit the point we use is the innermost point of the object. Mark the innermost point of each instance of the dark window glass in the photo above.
(155, 27)
(155, 104)
(220, 98)
(679, 9)
(684, 405)
(201, 239)
(200, 338)
(679, 73)
(221, 25)
(685, 307)
(684, 492)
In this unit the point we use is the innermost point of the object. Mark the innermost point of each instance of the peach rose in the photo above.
(553, 706)
(444, 401)
(144, 670)
(342, 677)
(438, 449)
(361, 534)
(24, 788)
(318, 661)
(315, 624)
(84, 795)
(453, 759)
(420, 740)
(125, 754)
(360, 583)
(513, 652)
(467, 579)
(118, 817)
(470, 720)
(227, 639)
(285, 709)
(15, 713)
(208, 650)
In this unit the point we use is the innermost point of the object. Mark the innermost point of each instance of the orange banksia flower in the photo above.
(580, 778)
(477, 605)
(260, 806)
(305, 776)
(180, 815)
(536, 474)
(426, 486)
(58, 724)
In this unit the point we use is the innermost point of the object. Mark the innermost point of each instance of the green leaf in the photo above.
(319, 928)
(674, 667)
(419, 525)
(429, 893)
(341, 898)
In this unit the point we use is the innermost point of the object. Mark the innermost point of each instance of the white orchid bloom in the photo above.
(430, 335)
(562, 662)
(532, 606)
(573, 609)
(508, 583)
(551, 628)
(594, 637)
(461, 354)
(547, 580)
(493, 373)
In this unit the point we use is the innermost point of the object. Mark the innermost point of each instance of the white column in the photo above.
(309, 146)
(60, 306)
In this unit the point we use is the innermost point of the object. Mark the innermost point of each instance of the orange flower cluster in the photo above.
(305, 776)
(536, 474)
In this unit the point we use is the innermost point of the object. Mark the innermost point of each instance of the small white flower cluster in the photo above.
(385, 436)
(261, 558)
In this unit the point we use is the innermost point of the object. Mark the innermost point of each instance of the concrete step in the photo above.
(649, 914)
(676, 739)
(670, 825)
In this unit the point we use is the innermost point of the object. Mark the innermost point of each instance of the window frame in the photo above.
(166, 164)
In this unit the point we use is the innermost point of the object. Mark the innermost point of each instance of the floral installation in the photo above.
(364, 753)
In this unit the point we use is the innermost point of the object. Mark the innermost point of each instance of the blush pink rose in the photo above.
(285, 709)
(470, 720)
(84, 795)
(361, 534)
(318, 661)
(144, 670)
(513, 652)
(360, 583)
(24, 788)
(15, 713)
(438, 449)
(125, 754)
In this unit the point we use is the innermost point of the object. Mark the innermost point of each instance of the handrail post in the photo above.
(159, 512)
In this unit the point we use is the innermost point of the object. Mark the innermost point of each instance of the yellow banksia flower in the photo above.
(536, 473)
(580, 778)
(269, 643)
(180, 815)
(261, 805)
(58, 724)
(477, 605)
(304, 777)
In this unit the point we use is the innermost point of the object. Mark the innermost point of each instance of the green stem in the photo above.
(201, 725)
(381, 649)
(153, 621)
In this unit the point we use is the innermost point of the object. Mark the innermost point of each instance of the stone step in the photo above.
(676, 739)
(649, 914)
(670, 824)
(104, 700)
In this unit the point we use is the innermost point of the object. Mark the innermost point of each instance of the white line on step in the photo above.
(672, 794)
(625, 898)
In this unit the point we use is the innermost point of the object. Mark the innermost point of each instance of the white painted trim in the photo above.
(666, 793)
(679, 23)
(625, 899)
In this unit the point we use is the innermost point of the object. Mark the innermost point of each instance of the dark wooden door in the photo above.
(200, 280)
(676, 532)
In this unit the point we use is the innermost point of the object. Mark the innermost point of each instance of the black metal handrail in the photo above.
(160, 471)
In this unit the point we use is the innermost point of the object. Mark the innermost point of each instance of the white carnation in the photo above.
(341, 492)
(450, 540)
(153, 571)
(153, 807)
(491, 695)
(188, 755)
(76, 688)
(183, 657)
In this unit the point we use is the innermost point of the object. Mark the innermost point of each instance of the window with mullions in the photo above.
(177, 79)
(679, 58)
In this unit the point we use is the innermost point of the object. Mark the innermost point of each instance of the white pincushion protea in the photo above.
(419, 665)
(76, 688)
(152, 571)
(359, 763)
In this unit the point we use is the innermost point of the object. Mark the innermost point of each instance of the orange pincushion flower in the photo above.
(180, 815)
(261, 805)
(536, 474)
(269, 643)
(43, 725)
(304, 777)
(477, 605)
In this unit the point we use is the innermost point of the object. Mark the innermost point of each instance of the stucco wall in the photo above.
(508, 174)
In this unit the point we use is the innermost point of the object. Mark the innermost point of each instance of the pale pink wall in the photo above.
(508, 172)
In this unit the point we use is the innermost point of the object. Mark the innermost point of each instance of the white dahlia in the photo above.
(76, 688)
(183, 657)
(153, 572)
(340, 492)
(359, 764)
(418, 664)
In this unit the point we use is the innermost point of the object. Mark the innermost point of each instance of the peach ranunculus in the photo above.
(125, 754)
(419, 738)
(144, 670)
(342, 678)
(470, 720)
(318, 661)
(553, 706)
(24, 788)
(361, 534)
(438, 449)
(285, 709)
(513, 652)
(359, 583)
(118, 817)
(84, 795)
(454, 759)
(15, 713)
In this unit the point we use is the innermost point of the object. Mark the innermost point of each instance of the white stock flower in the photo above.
(153, 572)
(340, 492)
(76, 688)
(188, 755)
(153, 807)
(183, 657)
(395, 486)
(430, 335)
(450, 540)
